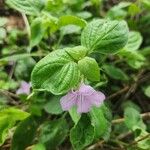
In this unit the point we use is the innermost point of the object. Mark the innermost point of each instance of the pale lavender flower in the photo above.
(84, 98)
(24, 88)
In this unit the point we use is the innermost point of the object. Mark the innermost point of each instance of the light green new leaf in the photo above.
(58, 72)
(53, 133)
(115, 73)
(105, 36)
(132, 116)
(89, 68)
(30, 7)
(101, 122)
(39, 146)
(8, 118)
(134, 41)
(82, 134)
(68, 19)
(37, 31)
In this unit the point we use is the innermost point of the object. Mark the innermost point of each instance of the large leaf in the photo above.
(115, 73)
(101, 122)
(58, 72)
(134, 41)
(105, 36)
(82, 134)
(53, 133)
(8, 118)
(25, 133)
(30, 7)
(89, 68)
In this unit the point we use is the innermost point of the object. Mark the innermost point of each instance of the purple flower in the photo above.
(24, 88)
(85, 97)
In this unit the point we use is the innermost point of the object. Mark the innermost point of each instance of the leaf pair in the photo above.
(59, 72)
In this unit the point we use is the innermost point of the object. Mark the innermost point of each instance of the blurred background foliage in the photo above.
(29, 30)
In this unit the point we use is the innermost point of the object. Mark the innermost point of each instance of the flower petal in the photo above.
(24, 88)
(83, 105)
(86, 89)
(68, 101)
(97, 98)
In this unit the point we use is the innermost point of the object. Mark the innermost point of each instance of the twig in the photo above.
(25, 19)
(118, 92)
(141, 139)
(143, 116)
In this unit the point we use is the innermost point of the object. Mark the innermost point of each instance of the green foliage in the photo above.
(82, 134)
(53, 133)
(115, 73)
(8, 118)
(37, 31)
(101, 122)
(105, 36)
(25, 133)
(29, 7)
(57, 65)
(53, 106)
(147, 91)
(90, 69)
(134, 41)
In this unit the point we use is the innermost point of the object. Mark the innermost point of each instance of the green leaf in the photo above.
(105, 36)
(25, 133)
(89, 68)
(53, 106)
(82, 134)
(134, 41)
(58, 72)
(53, 133)
(132, 117)
(74, 20)
(74, 115)
(37, 31)
(133, 58)
(3, 33)
(147, 91)
(39, 146)
(139, 134)
(8, 118)
(30, 7)
(101, 122)
(115, 73)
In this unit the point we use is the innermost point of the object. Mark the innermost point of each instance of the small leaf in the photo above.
(25, 133)
(132, 117)
(58, 72)
(74, 20)
(82, 134)
(115, 73)
(30, 7)
(37, 31)
(105, 36)
(89, 68)
(8, 118)
(53, 133)
(74, 115)
(53, 106)
(134, 41)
